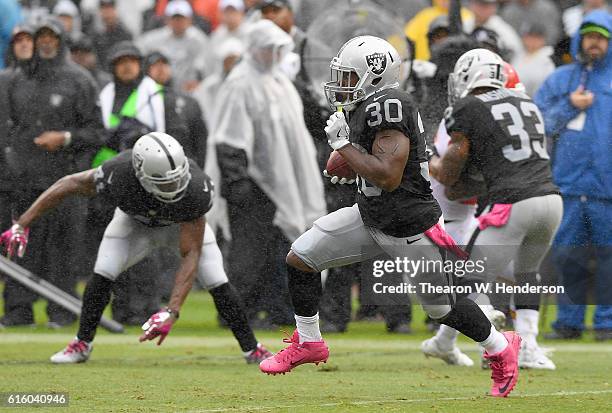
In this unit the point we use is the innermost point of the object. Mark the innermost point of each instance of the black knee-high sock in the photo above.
(467, 318)
(306, 290)
(96, 297)
(230, 308)
(528, 301)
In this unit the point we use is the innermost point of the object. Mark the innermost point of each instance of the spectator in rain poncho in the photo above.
(270, 176)
(576, 105)
(227, 54)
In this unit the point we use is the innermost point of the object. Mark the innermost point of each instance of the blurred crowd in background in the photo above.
(82, 80)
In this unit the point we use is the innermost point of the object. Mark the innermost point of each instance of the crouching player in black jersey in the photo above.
(395, 212)
(501, 132)
(161, 197)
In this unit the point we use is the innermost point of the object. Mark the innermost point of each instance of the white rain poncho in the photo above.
(206, 92)
(206, 95)
(261, 113)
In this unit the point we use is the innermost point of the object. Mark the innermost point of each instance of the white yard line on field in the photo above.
(365, 345)
(397, 401)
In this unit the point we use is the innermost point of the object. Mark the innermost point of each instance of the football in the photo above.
(337, 166)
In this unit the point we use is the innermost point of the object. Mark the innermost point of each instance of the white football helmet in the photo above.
(161, 166)
(476, 68)
(363, 66)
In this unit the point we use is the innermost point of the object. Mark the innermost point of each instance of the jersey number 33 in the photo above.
(526, 130)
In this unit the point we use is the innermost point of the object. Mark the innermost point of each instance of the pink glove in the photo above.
(497, 217)
(438, 235)
(158, 325)
(15, 238)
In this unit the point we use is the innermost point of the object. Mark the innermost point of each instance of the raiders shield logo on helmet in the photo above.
(467, 64)
(138, 161)
(377, 62)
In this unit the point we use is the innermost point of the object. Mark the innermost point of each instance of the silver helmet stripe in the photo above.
(170, 159)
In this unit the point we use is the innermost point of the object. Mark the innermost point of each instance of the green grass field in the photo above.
(199, 368)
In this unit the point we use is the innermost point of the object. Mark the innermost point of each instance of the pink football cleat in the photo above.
(295, 354)
(504, 366)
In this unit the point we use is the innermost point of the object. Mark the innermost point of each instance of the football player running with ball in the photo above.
(395, 212)
(161, 197)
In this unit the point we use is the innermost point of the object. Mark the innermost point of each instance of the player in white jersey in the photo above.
(459, 218)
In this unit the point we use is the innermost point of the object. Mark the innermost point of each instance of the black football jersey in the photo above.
(507, 143)
(411, 208)
(116, 182)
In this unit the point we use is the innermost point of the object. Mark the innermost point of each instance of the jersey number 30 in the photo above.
(523, 143)
(376, 117)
